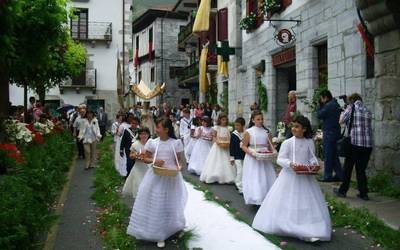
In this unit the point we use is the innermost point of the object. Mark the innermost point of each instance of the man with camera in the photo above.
(329, 112)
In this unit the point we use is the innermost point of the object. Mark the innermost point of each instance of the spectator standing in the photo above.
(290, 109)
(361, 145)
(77, 125)
(89, 135)
(103, 120)
(329, 112)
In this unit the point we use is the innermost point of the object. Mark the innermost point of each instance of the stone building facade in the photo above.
(328, 49)
(160, 29)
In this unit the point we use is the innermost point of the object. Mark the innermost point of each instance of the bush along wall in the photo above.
(29, 192)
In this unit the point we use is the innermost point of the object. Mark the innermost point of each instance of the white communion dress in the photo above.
(200, 150)
(295, 205)
(217, 167)
(158, 211)
(258, 175)
(137, 173)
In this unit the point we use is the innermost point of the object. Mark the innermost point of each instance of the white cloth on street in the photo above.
(137, 173)
(295, 205)
(217, 166)
(258, 175)
(201, 148)
(158, 211)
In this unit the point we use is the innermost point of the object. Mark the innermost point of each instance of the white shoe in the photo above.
(161, 244)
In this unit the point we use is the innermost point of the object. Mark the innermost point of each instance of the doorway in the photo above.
(285, 82)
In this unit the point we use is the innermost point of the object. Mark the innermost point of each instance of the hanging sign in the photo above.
(285, 37)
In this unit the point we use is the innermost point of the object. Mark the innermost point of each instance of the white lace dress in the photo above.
(295, 205)
(138, 171)
(217, 167)
(258, 175)
(158, 211)
(200, 150)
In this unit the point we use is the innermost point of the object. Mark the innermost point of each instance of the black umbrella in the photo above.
(65, 108)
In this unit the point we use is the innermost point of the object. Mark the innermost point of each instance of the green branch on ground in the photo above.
(210, 196)
(364, 222)
(114, 215)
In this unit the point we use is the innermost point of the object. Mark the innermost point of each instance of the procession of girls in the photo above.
(290, 204)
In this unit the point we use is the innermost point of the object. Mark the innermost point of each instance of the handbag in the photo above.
(344, 143)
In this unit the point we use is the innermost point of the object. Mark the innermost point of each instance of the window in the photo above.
(254, 6)
(322, 51)
(152, 75)
(370, 62)
(94, 105)
(137, 42)
(175, 72)
(139, 76)
(223, 24)
(80, 79)
(79, 24)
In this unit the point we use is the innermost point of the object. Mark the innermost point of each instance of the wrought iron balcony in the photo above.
(86, 80)
(91, 31)
(189, 75)
(185, 34)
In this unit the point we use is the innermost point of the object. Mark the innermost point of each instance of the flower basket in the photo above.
(223, 144)
(163, 171)
(306, 169)
(264, 154)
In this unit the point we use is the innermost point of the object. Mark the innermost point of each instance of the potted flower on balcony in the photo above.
(249, 22)
(270, 7)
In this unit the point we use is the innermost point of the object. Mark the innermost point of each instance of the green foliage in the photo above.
(270, 6)
(263, 96)
(114, 213)
(28, 195)
(361, 220)
(248, 22)
(384, 184)
(74, 58)
(313, 103)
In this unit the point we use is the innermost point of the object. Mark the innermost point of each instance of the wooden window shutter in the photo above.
(250, 6)
(223, 24)
(285, 4)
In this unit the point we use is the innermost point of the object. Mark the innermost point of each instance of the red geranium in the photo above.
(38, 138)
(12, 152)
(30, 127)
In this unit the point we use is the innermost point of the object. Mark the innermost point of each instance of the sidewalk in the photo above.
(76, 226)
(385, 208)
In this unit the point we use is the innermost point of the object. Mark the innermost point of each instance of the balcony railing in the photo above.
(86, 80)
(188, 73)
(95, 31)
(185, 32)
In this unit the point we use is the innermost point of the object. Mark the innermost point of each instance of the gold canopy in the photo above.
(144, 92)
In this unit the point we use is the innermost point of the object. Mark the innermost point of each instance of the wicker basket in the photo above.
(306, 169)
(162, 171)
(223, 144)
(265, 155)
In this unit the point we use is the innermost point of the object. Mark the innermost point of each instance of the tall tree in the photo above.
(37, 50)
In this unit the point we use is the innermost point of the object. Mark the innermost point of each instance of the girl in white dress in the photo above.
(258, 174)
(120, 161)
(191, 141)
(204, 136)
(295, 205)
(140, 168)
(115, 126)
(217, 167)
(158, 211)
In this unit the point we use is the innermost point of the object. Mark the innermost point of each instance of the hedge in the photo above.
(28, 194)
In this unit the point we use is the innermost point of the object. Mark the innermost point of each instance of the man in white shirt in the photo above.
(77, 124)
